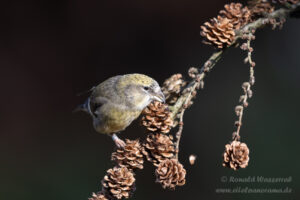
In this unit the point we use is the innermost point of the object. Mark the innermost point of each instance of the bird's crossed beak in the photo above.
(159, 96)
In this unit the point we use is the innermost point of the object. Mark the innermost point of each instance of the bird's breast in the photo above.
(115, 119)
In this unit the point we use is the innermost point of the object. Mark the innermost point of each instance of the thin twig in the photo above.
(246, 86)
(192, 86)
(180, 129)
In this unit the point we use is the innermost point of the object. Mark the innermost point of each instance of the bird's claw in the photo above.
(119, 143)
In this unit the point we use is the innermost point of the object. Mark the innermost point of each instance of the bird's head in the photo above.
(139, 90)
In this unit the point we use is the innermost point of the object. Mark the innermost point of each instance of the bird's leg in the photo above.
(120, 143)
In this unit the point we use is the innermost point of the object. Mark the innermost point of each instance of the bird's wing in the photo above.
(96, 103)
(106, 90)
(103, 93)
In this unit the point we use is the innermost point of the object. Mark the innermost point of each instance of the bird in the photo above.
(119, 100)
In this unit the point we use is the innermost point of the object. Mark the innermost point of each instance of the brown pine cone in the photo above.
(259, 8)
(237, 14)
(158, 147)
(172, 88)
(98, 196)
(170, 173)
(218, 32)
(157, 118)
(130, 156)
(236, 155)
(119, 182)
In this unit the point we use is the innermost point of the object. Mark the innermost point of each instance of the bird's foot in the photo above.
(120, 143)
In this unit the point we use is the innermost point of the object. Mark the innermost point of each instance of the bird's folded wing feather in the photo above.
(103, 93)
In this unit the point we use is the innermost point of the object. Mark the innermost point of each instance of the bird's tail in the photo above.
(84, 107)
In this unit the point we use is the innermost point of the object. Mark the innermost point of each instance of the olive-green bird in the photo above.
(116, 102)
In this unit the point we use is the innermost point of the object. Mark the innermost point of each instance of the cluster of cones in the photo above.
(221, 31)
(158, 148)
(119, 181)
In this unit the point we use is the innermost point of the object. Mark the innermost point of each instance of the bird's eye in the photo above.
(146, 88)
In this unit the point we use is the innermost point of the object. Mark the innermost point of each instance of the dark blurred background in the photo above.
(52, 50)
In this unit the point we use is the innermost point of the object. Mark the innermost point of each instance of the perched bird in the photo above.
(116, 102)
